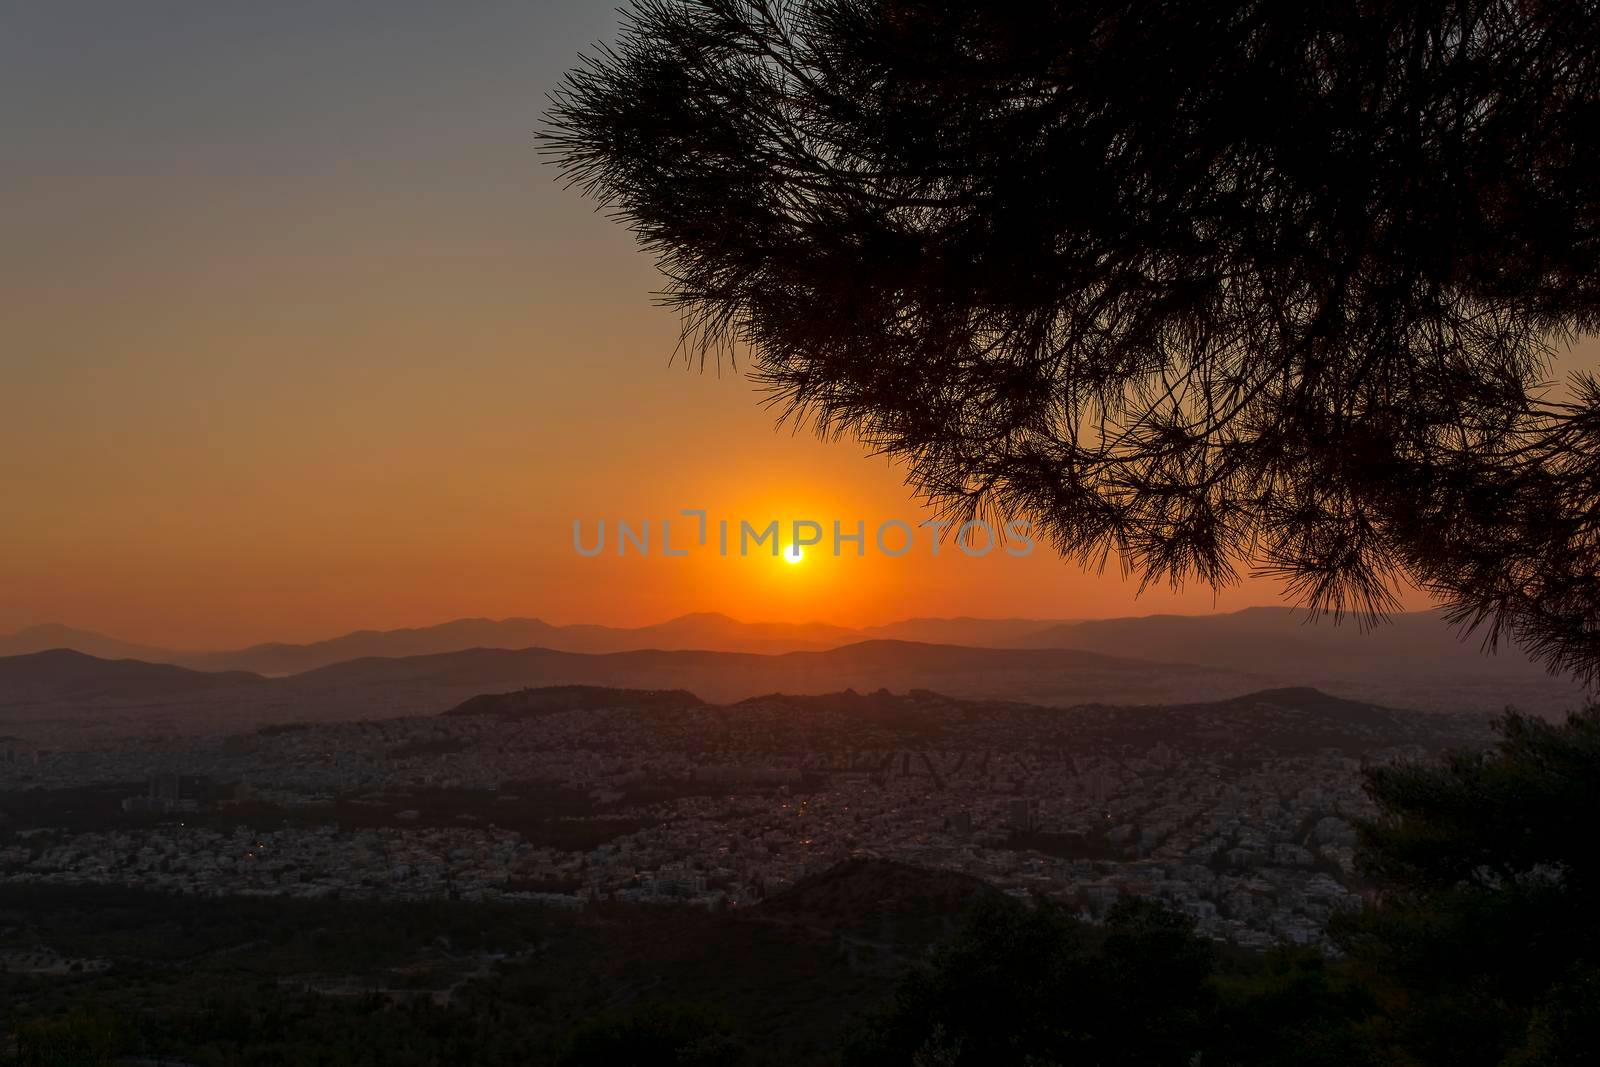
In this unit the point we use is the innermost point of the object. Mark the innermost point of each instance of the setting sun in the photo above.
(794, 555)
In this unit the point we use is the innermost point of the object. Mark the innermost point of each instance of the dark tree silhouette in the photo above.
(1200, 288)
(1484, 944)
(683, 1034)
(1034, 988)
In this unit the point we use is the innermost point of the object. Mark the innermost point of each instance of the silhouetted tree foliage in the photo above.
(1484, 947)
(87, 1036)
(1295, 1007)
(685, 1034)
(1035, 988)
(1200, 288)
(1038, 987)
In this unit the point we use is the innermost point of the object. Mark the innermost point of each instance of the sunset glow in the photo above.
(376, 395)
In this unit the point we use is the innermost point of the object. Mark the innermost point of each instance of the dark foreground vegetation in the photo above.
(1481, 946)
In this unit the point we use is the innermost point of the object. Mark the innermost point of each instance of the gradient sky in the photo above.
(300, 336)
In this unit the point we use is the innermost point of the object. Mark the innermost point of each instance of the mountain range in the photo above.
(705, 631)
(1241, 640)
(62, 675)
(412, 684)
(1413, 661)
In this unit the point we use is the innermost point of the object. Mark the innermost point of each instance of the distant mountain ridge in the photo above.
(68, 695)
(1240, 640)
(699, 631)
(63, 674)
(1040, 675)
(1413, 660)
(49, 636)
(388, 686)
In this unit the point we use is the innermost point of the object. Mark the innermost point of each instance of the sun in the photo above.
(794, 555)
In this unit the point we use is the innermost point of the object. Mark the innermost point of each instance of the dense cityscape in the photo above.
(1238, 814)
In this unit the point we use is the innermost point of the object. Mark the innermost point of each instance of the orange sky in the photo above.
(300, 340)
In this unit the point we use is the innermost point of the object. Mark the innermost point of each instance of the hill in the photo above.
(68, 691)
(962, 630)
(47, 637)
(1288, 640)
(1044, 676)
(68, 694)
(1412, 660)
(697, 631)
(64, 675)
(706, 630)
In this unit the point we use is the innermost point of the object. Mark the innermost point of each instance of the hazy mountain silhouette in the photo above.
(62, 674)
(1049, 676)
(48, 636)
(70, 688)
(281, 658)
(696, 631)
(715, 631)
(61, 690)
(1281, 637)
(709, 631)
(1412, 660)
(963, 630)
(1274, 641)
